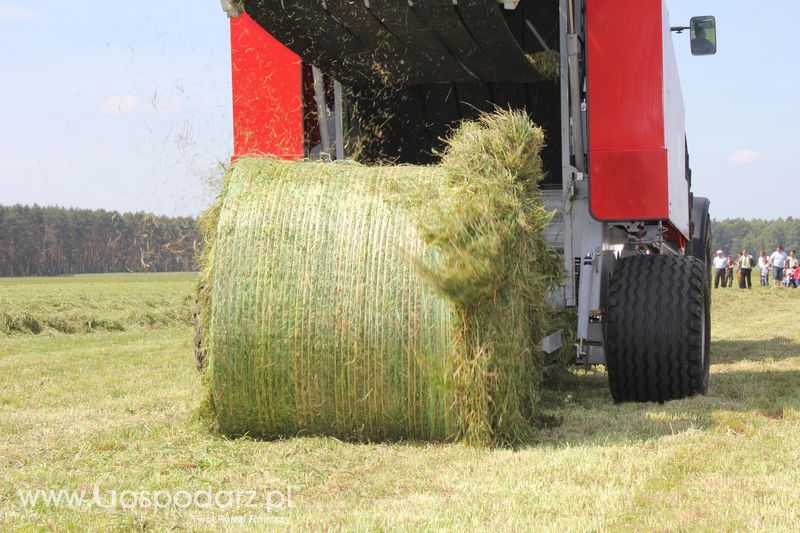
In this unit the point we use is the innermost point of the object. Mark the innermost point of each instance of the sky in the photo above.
(117, 105)
(126, 105)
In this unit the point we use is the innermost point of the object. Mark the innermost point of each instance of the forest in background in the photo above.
(735, 234)
(51, 241)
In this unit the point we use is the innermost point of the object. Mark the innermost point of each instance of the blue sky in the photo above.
(118, 105)
(126, 105)
(742, 107)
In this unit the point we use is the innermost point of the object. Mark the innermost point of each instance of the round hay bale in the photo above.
(381, 303)
(319, 322)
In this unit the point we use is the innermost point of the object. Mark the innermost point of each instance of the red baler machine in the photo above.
(311, 77)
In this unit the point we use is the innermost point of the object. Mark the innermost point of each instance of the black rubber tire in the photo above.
(658, 329)
(701, 230)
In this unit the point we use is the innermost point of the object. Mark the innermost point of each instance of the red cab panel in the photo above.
(636, 129)
(639, 190)
(267, 94)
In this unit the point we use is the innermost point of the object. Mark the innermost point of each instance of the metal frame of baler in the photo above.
(590, 246)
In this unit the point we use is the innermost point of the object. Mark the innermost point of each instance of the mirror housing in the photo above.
(703, 35)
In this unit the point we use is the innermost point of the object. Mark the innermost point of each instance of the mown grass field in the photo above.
(102, 302)
(113, 408)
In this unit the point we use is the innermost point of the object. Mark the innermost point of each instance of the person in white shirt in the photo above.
(763, 267)
(720, 263)
(778, 261)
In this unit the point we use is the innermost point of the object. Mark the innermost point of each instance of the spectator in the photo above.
(729, 272)
(763, 267)
(778, 262)
(738, 269)
(797, 275)
(746, 263)
(764, 270)
(788, 273)
(792, 261)
(720, 265)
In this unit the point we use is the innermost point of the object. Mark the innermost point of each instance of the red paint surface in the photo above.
(628, 173)
(632, 185)
(267, 94)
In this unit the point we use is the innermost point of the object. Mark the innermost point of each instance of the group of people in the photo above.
(782, 267)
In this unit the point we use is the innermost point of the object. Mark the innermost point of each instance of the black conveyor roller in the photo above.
(389, 42)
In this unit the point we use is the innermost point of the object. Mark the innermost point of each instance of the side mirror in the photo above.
(703, 35)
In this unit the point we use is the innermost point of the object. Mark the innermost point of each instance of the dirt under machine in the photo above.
(386, 80)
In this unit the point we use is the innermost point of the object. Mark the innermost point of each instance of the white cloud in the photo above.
(742, 157)
(120, 104)
(130, 104)
(12, 13)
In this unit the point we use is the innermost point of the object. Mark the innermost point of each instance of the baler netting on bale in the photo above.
(381, 303)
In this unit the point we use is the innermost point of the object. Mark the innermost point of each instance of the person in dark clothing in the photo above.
(746, 263)
(729, 272)
(701, 45)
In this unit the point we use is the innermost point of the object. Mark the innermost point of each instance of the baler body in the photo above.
(401, 75)
(637, 148)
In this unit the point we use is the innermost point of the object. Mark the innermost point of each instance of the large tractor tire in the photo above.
(701, 231)
(658, 328)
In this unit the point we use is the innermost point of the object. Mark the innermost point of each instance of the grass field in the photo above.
(102, 302)
(112, 408)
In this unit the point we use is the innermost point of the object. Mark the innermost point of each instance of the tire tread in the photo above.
(654, 326)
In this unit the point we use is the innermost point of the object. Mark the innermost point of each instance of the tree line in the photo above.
(736, 234)
(51, 241)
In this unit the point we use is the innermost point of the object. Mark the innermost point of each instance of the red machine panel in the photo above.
(636, 131)
(267, 94)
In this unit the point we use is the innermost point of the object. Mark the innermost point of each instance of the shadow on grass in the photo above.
(776, 348)
(578, 408)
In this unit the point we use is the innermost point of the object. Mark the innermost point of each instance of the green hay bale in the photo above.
(377, 303)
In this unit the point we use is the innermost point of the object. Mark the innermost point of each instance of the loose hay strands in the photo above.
(497, 267)
(381, 302)
(547, 63)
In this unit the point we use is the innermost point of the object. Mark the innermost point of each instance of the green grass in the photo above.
(100, 302)
(115, 408)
